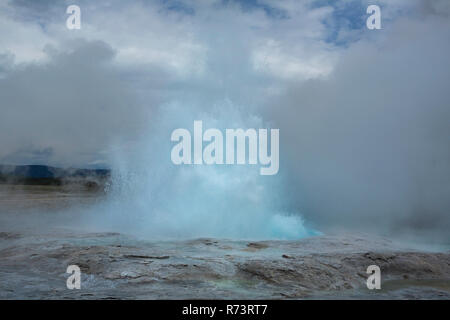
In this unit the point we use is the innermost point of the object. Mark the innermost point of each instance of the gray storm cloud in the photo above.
(66, 111)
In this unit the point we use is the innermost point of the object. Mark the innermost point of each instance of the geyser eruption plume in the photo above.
(153, 198)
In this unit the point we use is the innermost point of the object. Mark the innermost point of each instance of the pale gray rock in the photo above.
(115, 266)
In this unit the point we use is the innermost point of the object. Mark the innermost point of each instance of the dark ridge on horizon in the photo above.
(47, 175)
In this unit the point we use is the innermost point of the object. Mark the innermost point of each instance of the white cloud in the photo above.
(24, 40)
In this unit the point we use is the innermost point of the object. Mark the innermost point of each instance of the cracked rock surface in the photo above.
(115, 266)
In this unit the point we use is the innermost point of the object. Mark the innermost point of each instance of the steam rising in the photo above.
(153, 198)
(363, 115)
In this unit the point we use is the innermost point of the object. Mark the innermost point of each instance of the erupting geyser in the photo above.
(152, 197)
(235, 147)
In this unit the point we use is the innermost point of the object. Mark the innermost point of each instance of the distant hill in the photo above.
(45, 175)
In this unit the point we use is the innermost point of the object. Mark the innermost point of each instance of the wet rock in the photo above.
(135, 256)
(9, 235)
(257, 245)
(311, 268)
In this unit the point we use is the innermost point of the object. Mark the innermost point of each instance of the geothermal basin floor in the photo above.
(33, 263)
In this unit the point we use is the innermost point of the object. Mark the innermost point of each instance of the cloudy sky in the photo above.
(66, 94)
(363, 114)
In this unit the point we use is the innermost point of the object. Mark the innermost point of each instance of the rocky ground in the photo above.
(33, 264)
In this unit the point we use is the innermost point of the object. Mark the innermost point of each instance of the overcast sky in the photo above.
(363, 114)
(67, 94)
